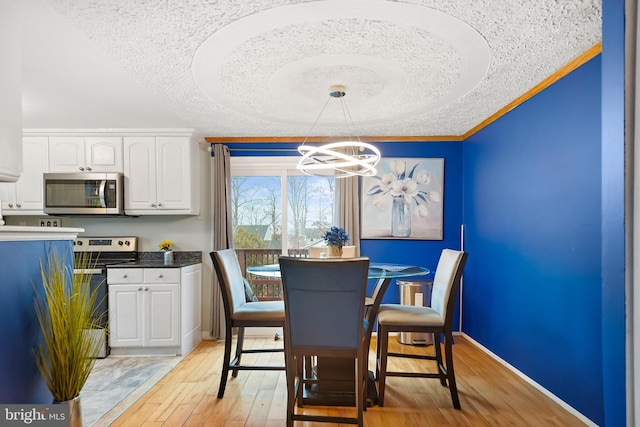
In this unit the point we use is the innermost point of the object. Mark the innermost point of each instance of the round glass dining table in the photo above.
(377, 270)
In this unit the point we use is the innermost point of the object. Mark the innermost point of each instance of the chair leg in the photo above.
(453, 388)
(437, 346)
(301, 372)
(381, 361)
(291, 391)
(360, 387)
(225, 362)
(239, 348)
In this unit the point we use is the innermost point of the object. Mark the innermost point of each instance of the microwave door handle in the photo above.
(103, 202)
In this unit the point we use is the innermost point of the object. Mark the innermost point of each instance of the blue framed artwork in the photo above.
(404, 200)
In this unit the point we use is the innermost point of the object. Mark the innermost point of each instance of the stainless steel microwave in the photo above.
(91, 193)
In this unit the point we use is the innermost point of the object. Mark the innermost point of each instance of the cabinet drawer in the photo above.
(161, 275)
(124, 275)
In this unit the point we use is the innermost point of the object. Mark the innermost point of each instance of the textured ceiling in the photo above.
(263, 68)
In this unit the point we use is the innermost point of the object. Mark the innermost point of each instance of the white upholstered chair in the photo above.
(437, 320)
(242, 314)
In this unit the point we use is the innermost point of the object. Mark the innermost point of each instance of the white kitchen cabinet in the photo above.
(159, 175)
(154, 310)
(85, 154)
(25, 197)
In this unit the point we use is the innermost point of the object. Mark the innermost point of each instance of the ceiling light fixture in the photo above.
(339, 159)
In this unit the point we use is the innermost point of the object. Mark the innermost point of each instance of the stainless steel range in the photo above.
(104, 251)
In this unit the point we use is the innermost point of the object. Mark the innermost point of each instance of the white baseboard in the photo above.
(537, 386)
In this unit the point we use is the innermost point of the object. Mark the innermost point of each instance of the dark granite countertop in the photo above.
(153, 264)
(156, 260)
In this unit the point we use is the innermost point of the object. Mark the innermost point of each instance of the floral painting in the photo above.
(404, 200)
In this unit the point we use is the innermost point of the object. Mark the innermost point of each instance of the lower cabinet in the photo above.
(154, 310)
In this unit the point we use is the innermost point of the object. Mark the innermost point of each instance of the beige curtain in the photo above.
(222, 233)
(349, 208)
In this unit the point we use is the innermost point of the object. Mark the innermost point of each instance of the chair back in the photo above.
(447, 280)
(231, 280)
(324, 301)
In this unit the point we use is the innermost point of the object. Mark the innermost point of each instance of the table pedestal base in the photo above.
(335, 385)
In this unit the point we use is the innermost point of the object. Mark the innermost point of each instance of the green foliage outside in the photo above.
(246, 240)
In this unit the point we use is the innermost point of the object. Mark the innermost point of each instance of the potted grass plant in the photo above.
(66, 308)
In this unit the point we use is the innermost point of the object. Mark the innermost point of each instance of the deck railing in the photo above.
(265, 288)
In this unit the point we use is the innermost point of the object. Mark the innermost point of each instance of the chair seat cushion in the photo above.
(397, 314)
(260, 311)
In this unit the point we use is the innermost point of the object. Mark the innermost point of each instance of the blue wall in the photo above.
(532, 212)
(20, 380)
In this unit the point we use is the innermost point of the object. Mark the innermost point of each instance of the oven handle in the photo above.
(87, 271)
(103, 184)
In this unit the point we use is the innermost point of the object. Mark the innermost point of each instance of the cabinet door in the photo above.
(162, 315)
(104, 154)
(29, 188)
(66, 154)
(174, 172)
(126, 315)
(140, 173)
(8, 197)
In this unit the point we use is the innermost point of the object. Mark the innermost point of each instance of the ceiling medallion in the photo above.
(339, 159)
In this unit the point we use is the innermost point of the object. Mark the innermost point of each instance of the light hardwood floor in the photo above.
(490, 395)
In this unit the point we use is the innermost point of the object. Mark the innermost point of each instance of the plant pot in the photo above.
(334, 251)
(76, 418)
(168, 257)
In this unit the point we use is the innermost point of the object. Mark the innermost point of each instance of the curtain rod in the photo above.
(258, 150)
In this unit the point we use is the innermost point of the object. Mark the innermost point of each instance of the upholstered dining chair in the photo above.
(242, 314)
(437, 320)
(324, 311)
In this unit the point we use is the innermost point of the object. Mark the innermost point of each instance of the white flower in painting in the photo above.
(398, 167)
(406, 188)
(404, 183)
(386, 181)
(433, 197)
(379, 201)
(423, 177)
(422, 210)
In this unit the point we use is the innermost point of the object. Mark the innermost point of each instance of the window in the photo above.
(275, 206)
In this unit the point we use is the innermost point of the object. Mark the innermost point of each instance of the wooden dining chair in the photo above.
(437, 320)
(324, 312)
(242, 314)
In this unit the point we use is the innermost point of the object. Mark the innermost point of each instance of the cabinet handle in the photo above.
(146, 289)
(81, 168)
(139, 289)
(159, 205)
(153, 205)
(124, 276)
(160, 276)
(18, 205)
(88, 168)
(10, 205)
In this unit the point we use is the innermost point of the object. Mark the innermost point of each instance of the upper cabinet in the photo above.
(159, 175)
(10, 91)
(85, 154)
(25, 197)
(160, 170)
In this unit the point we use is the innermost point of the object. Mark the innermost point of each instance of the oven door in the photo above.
(98, 284)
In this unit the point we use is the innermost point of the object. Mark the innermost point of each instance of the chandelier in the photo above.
(340, 159)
